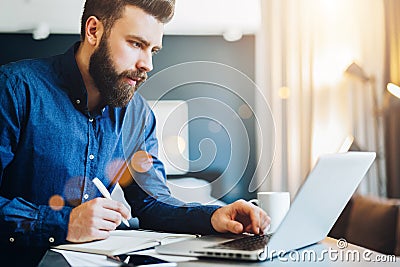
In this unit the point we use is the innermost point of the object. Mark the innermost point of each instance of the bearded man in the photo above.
(61, 126)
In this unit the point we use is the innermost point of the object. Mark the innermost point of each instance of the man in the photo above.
(63, 122)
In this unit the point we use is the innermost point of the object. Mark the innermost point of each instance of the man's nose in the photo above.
(145, 62)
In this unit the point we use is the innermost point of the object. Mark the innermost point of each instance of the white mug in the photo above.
(275, 204)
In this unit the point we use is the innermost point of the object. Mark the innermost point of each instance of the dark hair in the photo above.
(108, 11)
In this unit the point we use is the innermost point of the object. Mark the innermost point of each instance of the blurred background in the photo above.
(320, 67)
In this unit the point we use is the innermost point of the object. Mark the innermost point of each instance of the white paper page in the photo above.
(148, 234)
(80, 259)
(125, 241)
(113, 245)
(161, 237)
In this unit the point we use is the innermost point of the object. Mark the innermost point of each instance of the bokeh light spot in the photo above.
(245, 112)
(284, 92)
(56, 202)
(142, 161)
(118, 171)
(214, 127)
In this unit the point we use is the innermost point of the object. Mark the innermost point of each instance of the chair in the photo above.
(370, 222)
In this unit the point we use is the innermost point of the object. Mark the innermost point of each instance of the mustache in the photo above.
(138, 76)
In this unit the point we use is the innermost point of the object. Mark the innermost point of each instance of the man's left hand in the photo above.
(240, 216)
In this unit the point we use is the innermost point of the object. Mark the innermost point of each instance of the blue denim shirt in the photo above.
(51, 147)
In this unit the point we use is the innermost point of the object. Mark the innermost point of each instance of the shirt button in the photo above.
(91, 119)
(11, 239)
(85, 196)
(51, 239)
(91, 156)
(78, 101)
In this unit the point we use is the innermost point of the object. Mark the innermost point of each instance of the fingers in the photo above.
(240, 216)
(94, 219)
(255, 217)
(265, 222)
(101, 234)
(253, 227)
(115, 206)
(107, 224)
(260, 221)
(252, 216)
(234, 227)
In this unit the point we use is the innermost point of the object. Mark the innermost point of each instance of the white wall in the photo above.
(192, 16)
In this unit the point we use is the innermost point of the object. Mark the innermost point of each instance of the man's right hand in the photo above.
(93, 220)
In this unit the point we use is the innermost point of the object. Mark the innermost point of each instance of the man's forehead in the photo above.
(136, 22)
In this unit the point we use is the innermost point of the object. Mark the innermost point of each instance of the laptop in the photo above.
(313, 212)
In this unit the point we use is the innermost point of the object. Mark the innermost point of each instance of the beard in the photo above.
(113, 87)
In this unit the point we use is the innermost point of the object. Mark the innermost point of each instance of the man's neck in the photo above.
(82, 57)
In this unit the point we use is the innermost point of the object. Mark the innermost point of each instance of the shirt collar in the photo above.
(72, 79)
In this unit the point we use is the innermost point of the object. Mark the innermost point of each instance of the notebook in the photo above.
(125, 241)
(313, 212)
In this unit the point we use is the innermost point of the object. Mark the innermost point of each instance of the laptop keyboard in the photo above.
(253, 242)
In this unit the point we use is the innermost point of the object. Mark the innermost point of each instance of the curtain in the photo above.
(303, 49)
(392, 114)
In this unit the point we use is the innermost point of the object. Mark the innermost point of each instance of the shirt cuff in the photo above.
(53, 225)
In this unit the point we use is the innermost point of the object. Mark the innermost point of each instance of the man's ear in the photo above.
(94, 30)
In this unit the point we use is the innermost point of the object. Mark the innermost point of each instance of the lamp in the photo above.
(354, 70)
(393, 89)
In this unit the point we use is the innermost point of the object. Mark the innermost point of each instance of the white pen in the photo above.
(103, 190)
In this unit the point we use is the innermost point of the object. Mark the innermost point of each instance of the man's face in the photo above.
(120, 63)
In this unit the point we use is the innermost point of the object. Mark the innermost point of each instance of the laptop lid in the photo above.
(315, 209)
(321, 199)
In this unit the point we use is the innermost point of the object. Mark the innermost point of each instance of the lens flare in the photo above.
(56, 202)
(214, 127)
(117, 171)
(245, 112)
(142, 161)
(284, 92)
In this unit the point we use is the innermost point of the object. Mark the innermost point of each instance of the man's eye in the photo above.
(155, 52)
(136, 44)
